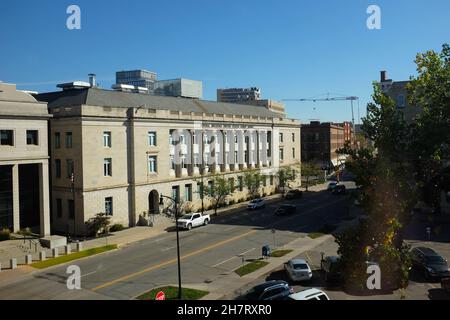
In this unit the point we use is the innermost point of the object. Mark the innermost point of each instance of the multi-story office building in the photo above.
(126, 149)
(397, 90)
(24, 181)
(137, 78)
(319, 143)
(184, 88)
(238, 95)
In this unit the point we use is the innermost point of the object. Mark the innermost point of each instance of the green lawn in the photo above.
(280, 253)
(172, 293)
(251, 267)
(315, 235)
(74, 256)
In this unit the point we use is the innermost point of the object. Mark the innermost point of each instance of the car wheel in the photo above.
(206, 222)
(189, 226)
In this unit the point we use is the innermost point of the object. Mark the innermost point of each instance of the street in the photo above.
(206, 253)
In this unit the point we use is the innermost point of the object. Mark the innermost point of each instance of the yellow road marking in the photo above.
(216, 245)
(168, 262)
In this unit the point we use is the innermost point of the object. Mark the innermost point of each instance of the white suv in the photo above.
(309, 294)
(256, 204)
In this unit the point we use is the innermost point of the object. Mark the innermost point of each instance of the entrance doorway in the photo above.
(153, 202)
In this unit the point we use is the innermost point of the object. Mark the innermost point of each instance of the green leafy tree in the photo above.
(286, 175)
(252, 181)
(430, 146)
(98, 224)
(219, 189)
(309, 170)
(384, 176)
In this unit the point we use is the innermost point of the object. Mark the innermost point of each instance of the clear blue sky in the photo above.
(288, 48)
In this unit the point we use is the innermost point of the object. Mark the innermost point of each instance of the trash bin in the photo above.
(266, 251)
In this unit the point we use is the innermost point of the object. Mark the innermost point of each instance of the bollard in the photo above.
(42, 255)
(79, 246)
(67, 249)
(28, 259)
(55, 252)
(13, 263)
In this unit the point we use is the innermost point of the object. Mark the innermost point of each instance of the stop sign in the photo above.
(160, 296)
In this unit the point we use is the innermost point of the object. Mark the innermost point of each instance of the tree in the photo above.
(219, 189)
(430, 146)
(98, 224)
(286, 175)
(309, 170)
(384, 176)
(252, 181)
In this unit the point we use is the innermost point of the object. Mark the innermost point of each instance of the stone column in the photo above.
(16, 199)
(44, 199)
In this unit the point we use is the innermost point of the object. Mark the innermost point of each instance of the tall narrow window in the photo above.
(152, 164)
(71, 207)
(57, 140)
(59, 208)
(240, 183)
(293, 137)
(188, 192)
(293, 153)
(69, 166)
(152, 139)
(107, 167)
(69, 140)
(58, 168)
(6, 137)
(281, 137)
(107, 143)
(32, 137)
(281, 154)
(109, 206)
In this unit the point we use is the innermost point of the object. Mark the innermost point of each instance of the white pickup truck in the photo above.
(192, 220)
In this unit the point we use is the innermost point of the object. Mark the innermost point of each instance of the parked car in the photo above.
(339, 189)
(293, 194)
(445, 284)
(330, 267)
(332, 185)
(429, 262)
(256, 204)
(286, 209)
(298, 270)
(270, 290)
(192, 220)
(309, 294)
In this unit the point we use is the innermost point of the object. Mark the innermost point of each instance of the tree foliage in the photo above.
(309, 170)
(253, 180)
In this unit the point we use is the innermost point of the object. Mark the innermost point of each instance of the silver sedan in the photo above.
(298, 270)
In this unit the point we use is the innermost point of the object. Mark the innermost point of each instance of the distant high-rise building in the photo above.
(179, 88)
(137, 78)
(238, 95)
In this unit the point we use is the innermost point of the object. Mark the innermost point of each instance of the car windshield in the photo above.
(435, 260)
(187, 217)
(300, 266)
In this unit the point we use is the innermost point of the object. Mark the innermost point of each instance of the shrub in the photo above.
(116, 227)
(231, 202)
(5, 234)
(98, 224)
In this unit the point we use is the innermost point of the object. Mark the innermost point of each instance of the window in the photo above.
(152, 164)
(71, 206)
(32, 137)
(210, 188)
(152, 139)
(293, 153)
(107, 139)
(69, 141)
(58, 168)
(109, 206)
(6, 137)
(281, 137)
(401, 103)
(188, 192)
(293, 137)
(59, 208)
(176, 193)
(69, 164)
(57, 140)
(271, 180)
(231, 183)
(240, 183)
(281, 154)
(264, 181)
(107, 167)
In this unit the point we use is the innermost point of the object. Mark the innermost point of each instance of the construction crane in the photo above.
(332, 99)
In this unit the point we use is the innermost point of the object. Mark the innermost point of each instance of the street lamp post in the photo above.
(175, 201)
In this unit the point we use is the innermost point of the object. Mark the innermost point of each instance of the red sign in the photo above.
(160, 296)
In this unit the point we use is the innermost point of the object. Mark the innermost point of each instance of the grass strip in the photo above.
(251, 267)
(171, 293)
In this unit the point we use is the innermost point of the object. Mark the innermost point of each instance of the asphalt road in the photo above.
(206, 253)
